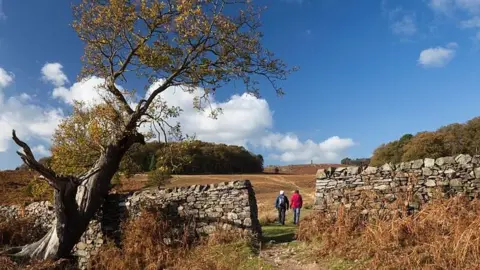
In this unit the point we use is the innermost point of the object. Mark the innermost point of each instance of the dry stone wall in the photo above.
(229, 206)
(383, 190)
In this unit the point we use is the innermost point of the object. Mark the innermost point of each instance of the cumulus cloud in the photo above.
(6, 78)
(89, 90)
(29, 120)
(52, 72)
(243, 116)
(248, 121)
(245, 120)
(86, 91)
(290, 149)
(438, 56)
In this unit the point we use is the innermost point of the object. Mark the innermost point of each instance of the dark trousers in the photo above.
(281, 215)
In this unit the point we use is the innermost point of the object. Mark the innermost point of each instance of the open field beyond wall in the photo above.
(13, 185)
(266, 186)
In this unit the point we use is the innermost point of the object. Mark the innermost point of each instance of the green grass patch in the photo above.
(279, 233)
(236, 255)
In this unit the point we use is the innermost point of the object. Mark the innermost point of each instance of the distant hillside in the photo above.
(13, 186)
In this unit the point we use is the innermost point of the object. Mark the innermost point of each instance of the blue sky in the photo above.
(370, 71)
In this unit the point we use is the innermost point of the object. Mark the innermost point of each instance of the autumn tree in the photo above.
(79, 139)
(390, 152)
(192, 44)
(450, 140)
(425, 144)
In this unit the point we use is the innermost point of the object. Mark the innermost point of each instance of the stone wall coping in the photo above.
(237, 184)
(461, 159)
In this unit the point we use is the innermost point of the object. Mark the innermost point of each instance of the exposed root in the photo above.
(45, 248)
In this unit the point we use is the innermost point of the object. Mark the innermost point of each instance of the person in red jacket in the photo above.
(296, 203)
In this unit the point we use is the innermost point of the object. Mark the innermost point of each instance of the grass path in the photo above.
(280, 248)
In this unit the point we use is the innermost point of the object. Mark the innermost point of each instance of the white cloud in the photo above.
(89, 90)
(41, 151)
(29, 120)
(291, 149)
(86, 91)
(243, 116)
(405, 26)
(248, 121)
(6, 78)
(25, 97)
(438, 56)
(52, 72)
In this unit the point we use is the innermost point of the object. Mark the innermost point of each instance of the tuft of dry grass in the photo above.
(267, 217)
(146, 244)
(443, 235)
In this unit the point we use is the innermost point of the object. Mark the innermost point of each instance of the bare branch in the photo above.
(30, 161)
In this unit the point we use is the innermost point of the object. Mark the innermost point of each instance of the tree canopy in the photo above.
(449, 140)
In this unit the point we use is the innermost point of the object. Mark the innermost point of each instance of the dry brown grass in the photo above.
(144, 246)
(444, 235)
(18, 232)
(8, 264)
(13, 186)
(266, 186)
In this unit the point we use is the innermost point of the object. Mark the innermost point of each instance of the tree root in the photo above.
(45, 248)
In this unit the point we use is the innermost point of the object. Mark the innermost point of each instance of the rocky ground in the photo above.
(286, 256)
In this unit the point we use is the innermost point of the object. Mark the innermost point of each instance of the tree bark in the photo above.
(77, 199)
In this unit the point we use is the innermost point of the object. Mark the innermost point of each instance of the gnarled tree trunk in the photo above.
(77, 199)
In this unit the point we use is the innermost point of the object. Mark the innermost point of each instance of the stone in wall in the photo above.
(414, 183)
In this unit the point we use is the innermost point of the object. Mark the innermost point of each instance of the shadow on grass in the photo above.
(278, 233)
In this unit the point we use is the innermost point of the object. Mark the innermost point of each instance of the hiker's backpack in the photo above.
(281, 201)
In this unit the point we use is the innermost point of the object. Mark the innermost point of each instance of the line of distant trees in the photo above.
(194, 157)
(448, 140)
(355, 162)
